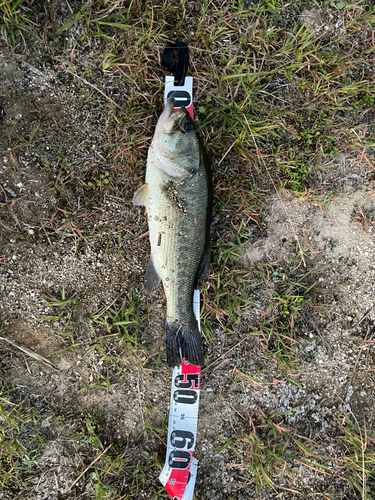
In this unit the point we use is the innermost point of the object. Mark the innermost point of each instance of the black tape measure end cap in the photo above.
(175, 58)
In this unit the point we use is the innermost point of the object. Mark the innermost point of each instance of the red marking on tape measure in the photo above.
(177, 482)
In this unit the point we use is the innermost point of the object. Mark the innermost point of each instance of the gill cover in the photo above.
(175, 149)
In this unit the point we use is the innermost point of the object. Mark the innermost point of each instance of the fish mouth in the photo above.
(180, 119)
(176, 115)
(179, 114)
(173, 120)
(169, 110)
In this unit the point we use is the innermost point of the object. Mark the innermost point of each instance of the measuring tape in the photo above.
(180, 469)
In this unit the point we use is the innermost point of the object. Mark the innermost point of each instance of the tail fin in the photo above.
(184, 338)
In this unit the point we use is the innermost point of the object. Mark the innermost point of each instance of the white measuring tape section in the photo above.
(180, 469)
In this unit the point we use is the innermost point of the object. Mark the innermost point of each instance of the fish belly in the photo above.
(177, 225)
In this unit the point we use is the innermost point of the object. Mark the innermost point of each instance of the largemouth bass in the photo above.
(178, 200)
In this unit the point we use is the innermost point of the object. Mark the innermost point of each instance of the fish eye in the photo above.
(188, 127)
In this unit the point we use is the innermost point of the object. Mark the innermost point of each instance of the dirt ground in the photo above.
(73, 252)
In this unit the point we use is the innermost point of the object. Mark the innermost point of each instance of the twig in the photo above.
(139, 398)
(363, 317)
(45, 232)
(34, 70)
(9, 229)
(223, 363)
(223, 355)
(142, 236)
(238, 413)
(306, 316)
(222, 159)
(87, 468)
(111, 304)
(359, 350)
(93, 86)
(357, 360)
(36, 356)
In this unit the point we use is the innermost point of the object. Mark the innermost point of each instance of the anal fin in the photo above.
(152, 280)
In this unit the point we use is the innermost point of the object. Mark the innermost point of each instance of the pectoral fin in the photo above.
(141, 196)
(152, 280)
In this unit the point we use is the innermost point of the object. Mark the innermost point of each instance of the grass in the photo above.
(16, 22)
(226, 290)
(19, 446)
(268, 452)
(109, 469)
(121, 323)
(278, 99)
(363, 220)
(359, 457)
(289, 296)
(63, 317)
(124, 322)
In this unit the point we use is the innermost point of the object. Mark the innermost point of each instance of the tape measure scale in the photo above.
(180, 469)
(182, 430)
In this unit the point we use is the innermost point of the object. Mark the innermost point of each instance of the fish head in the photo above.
(175, 146)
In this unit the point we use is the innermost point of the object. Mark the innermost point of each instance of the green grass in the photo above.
(110, 471)
(289, 296)
(271, 451)
(19, 445)
(64, 307)
(15, 21)
(359, 457)
(226, 289)
(268, 452)
(124, 322)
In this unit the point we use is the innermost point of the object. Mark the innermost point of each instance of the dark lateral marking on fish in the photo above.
(170, 191)
(159, 240)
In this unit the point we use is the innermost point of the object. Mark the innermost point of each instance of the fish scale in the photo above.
(176, 238)
(178, 200)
